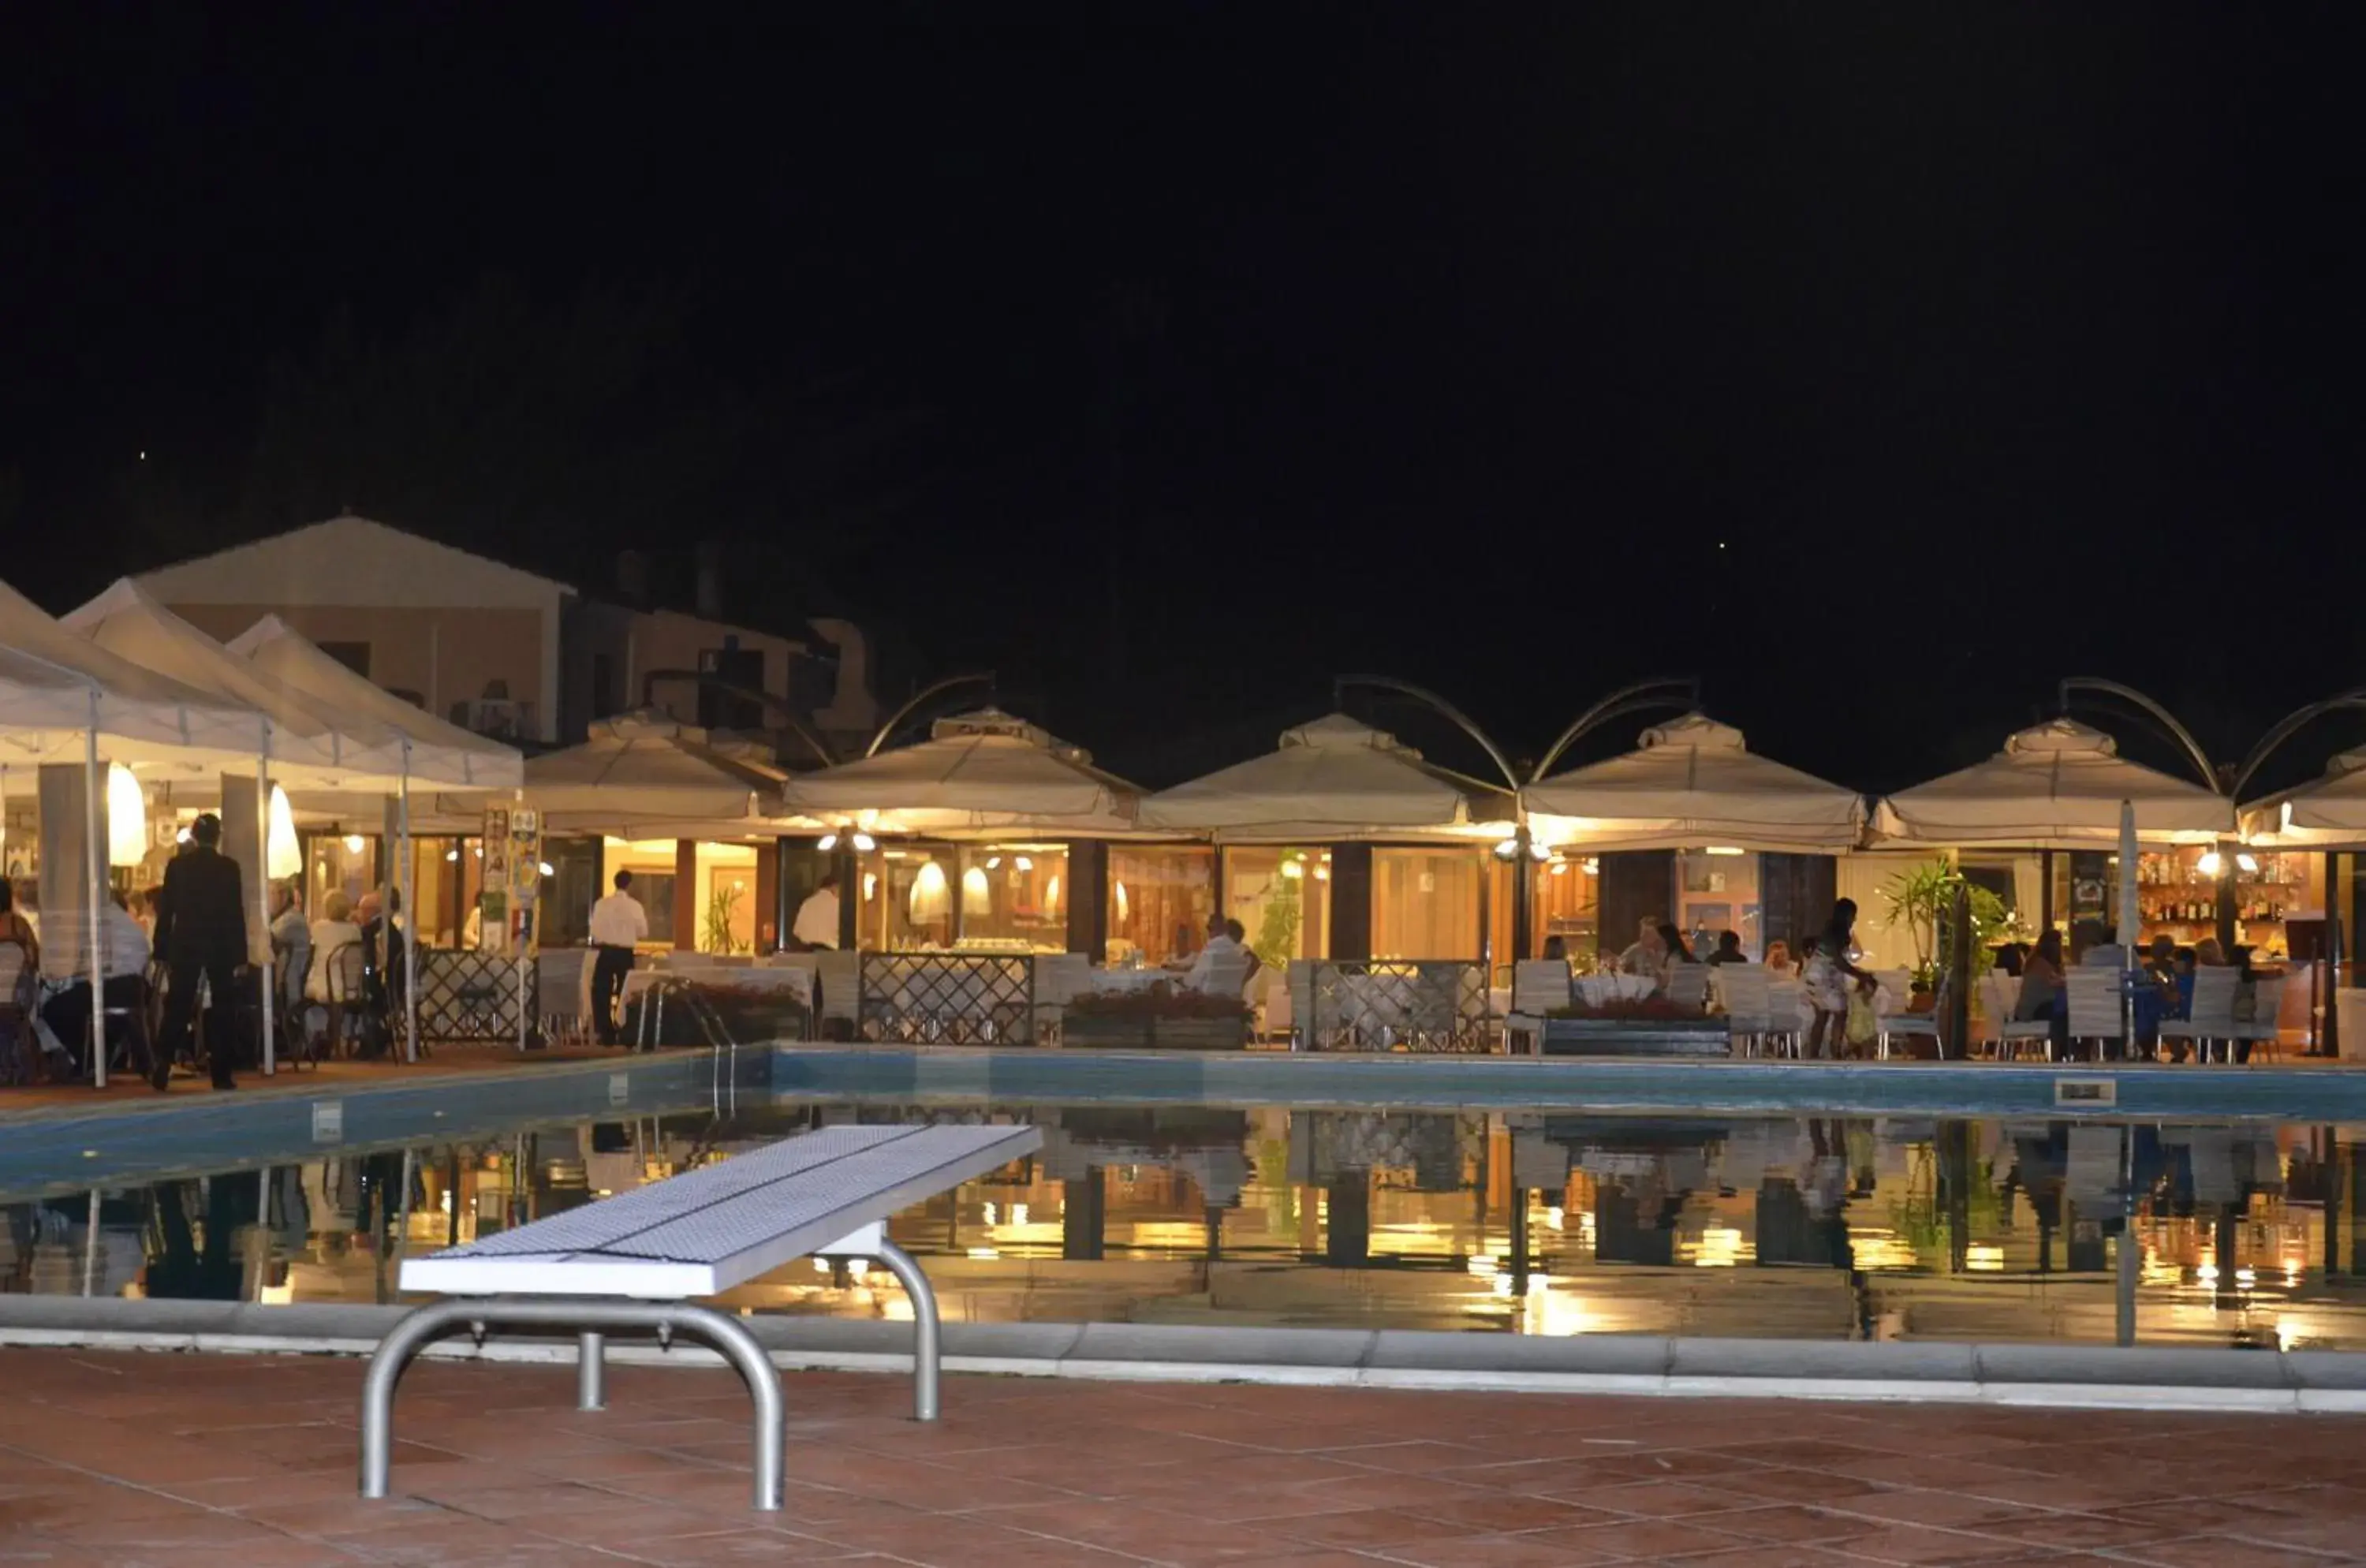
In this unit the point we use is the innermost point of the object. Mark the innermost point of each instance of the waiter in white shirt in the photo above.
(817, 921)
(617, 922)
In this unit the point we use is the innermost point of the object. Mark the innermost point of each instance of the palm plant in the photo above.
(1922, 900)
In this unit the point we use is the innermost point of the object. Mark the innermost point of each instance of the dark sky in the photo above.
(1879, 365)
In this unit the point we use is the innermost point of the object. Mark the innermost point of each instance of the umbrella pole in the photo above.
(94, 877)
(262, 903)
(410, 907)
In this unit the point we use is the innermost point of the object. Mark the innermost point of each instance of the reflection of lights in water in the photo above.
(1984, 1259)
(990, 1212)
(984, 1254)
(1553, 1218)
(1720, 1247)
(1482, 1263)
(277, 1295)
(857, 1266)
(1018, 1213)
(2246, 1277)
(1877, 1248)
(2206, 1273)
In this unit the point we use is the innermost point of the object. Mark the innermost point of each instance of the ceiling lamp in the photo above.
(355, 844)
(2210, 864)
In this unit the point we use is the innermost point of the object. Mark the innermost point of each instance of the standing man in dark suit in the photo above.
(201, 931)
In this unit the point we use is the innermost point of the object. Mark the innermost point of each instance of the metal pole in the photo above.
(927, 1334)
(94, 881)
(409, 891)
(2127, 1293)
(403, 1206)
(262, 902)
(590, 1380)
(90, 1245)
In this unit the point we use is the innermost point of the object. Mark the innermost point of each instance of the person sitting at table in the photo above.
(1778, 959)
(123, 965)
(291, 941)
(1649, 953)
(1240, 935)
(1672, 951)
(1729, 949)
(1556, 947)
(335, 928)
(15, 927)
(1222, 948)
(2042, 995)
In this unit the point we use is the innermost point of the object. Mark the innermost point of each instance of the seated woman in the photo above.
(2043, 994)
(1778, 959)
(333, 930)
(1672, 952)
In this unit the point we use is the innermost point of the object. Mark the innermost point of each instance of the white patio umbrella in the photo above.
(977, 771)
(2059, 785)
(1693, 782)
(644, 776)
(1331, 780)
(2327, 812)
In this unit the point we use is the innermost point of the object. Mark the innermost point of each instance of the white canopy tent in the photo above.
(61, 700)
(1332, 780)
(441, 754)
(644, 776)
(2326, 813)
(978, 772)
(311, 743)
(307, 743)
(2055, 786)
(1693, 783)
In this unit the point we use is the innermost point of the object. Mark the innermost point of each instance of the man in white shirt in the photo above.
(1221, 949)
(123, 962)
(817, 921)
(617, 922)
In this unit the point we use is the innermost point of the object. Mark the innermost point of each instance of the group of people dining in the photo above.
(1829, 965)
(177, 986)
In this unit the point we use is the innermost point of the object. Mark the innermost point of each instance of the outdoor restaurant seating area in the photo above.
(410, 882)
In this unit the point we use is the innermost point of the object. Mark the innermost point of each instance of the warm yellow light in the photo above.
(1292, 869)
(283, 856)
(355, 844)
(2209, 865)
(1024, 863)
(2247, 864)
(1561, 868)
(930, 900)
(1725, 849)
(127, 817)
(977, 896)
(1052, 892)
(1124, 906)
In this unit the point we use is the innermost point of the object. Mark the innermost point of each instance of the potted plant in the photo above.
(1646, 1026)
(1163, 1017)
(1922, 900)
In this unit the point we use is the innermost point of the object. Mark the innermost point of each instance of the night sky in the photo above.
(1878, 365)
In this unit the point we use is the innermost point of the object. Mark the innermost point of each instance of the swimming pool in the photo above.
(1506, 1219)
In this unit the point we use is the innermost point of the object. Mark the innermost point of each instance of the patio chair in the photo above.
(1749, 998)
(1540, 986)
(1688, 985)
(1786, 1011)
(2013, 1032)
(346, 973)
(2095, 1006)
(2212, 1016)
(2259, 1031)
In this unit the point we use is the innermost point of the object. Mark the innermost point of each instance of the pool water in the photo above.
(1541, 1221)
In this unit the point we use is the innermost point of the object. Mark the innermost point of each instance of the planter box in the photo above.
(1637, 1037)
(1121, 1032)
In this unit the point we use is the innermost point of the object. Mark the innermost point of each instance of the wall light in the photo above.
(1509, 849)
(127, 817)
(864, 843)
(1024, 863)
(544, 867)
(283, 855)
(829, 842)
(2209, 865)
(2247, 863)
(1725, 849)
(1292, 869)
(355, 844)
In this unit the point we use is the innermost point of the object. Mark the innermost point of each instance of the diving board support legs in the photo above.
(591, 1372)
(927, 1336)
(590, 1320)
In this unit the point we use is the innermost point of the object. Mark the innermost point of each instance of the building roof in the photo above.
(350, 560)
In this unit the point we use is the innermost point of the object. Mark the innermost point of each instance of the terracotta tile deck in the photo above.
(192, 1461)
(448, 1060)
